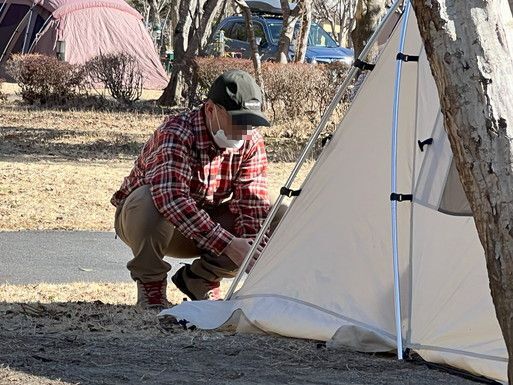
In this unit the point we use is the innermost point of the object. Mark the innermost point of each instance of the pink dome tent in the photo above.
(80, 29)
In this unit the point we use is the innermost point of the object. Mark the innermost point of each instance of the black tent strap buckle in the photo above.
(406, 58)
(423, 143)
(326, 140)
(364, 66)
(401, 197)
(289, 193)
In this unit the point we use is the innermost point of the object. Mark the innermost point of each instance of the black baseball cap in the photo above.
(238, 92)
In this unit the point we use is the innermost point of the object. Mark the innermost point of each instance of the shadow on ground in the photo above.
(97, 343)
(67, 144)
(97, 103)
(58, 144)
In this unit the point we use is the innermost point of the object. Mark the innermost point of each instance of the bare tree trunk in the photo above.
(306, 21)
(333, 26)
(341, 21)
(290, 18)
(367, 15)
(174, 17)
(474, 76)
(172, 93)
(255, 55)
(154, 21)
(347, 24)
(323, 11)
(186, 49)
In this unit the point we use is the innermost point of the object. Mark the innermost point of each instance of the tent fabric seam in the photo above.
(413, 182)
(454, 214)
(70, 8)
(330, 312)
(416, 346)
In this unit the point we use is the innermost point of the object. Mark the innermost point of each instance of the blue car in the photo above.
(231, 32)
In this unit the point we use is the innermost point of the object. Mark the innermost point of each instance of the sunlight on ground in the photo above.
(69, 195)
(14, 89)
(121, 293)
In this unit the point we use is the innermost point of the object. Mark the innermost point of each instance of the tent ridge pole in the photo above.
(308, 147)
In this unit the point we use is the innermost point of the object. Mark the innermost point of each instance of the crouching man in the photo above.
(198, 188)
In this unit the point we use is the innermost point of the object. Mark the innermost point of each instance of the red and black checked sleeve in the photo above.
(251, 201)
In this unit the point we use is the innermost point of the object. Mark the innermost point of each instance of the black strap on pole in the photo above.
(406, 58)
(423, 143)
(364, 66)
(326, 140)
(289, 193)
(401, 197)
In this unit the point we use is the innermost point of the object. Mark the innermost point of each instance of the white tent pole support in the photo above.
(393, 204)
(308, 147)
(27, 32)
(2, 8)
(39, 33)
(15, 33)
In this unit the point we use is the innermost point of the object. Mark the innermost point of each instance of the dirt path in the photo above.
(95, 343)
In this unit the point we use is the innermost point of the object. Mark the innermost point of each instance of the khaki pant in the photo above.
(151, 237)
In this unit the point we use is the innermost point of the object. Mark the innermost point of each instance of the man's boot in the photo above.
(152, 294)
(195, 287)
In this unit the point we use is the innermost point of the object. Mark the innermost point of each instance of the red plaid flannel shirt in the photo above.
(187, 171)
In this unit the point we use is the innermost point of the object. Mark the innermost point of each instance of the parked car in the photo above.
(322, 48)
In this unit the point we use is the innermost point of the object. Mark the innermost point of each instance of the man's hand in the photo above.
(239, 248)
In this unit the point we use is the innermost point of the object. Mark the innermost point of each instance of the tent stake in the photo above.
(308, 147)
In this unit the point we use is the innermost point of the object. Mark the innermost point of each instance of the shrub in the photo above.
(209, 68)
(45, 79)
(119, 73)
(292, 90)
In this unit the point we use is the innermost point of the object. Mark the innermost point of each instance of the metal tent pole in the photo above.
(15, 33)
(393, 203)
(2, 6)
(308, 147)
(27, 33)
(39, 33)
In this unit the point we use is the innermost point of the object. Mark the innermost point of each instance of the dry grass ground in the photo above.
(91, 334)
(58, 170)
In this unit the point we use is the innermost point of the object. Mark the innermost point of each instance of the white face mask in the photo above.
(220, 137)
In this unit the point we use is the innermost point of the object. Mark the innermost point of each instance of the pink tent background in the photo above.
(90, 27)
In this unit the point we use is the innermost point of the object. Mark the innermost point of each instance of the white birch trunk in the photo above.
(290, 18)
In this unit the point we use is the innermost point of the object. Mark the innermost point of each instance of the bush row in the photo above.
(291, 90)
(45, 79)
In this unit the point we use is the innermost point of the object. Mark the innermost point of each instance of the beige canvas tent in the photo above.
(79, 30)
(328, 271)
